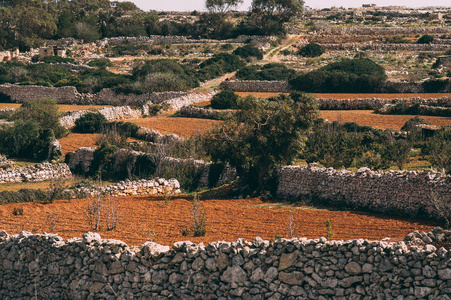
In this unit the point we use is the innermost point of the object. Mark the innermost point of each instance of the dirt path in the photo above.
(145, 219)
(272, 56)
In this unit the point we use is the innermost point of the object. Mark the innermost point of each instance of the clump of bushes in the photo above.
(100, 63)
(271, 71)
(311, 50)
(249, 52)
(425, 39)
(90, 123)
(218, 65)
(224, 100)
(360, 75)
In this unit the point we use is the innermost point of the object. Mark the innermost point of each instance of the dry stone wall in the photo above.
(45, 266)
(143, 187)
(256, 86)
(70, 95)
(356, 30)
(204, 113)
(39, 172)
(376, 103)
(405, 193)
(385, 47)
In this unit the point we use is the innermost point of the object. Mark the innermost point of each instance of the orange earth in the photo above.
(180, 126)
(148, 218)
(354, 96)
(369, 118)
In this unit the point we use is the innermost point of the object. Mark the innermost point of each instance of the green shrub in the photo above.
(224, 100)
(100, 63)
(248, 51)
(311, 50)
(90, 122)
(57, 59)
(218, 65)
(271, 71)
(425, 39)
(359, 75)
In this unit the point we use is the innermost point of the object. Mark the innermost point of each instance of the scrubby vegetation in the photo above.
(272, 71)
(360, 75)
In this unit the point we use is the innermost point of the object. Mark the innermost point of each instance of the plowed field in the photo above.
(77, 140)
(369, 118)
(354, 96)
(180, 126)
(143, 219)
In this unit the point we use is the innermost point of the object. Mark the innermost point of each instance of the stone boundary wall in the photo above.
(70, 95)
(423, 110)
(383, 30)
(377, 103)
(385, 47)
(406, 193)
(158, 186)
(48, 267)
(204, 113)
(160, 39)
(36, 173)
(256, 86)
(110, 113)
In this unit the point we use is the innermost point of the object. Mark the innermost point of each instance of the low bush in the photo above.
(90, 123)
(100, 63)
(248, 51)
(311, 50)
(271, 71)
(425, 39)
(224, 100)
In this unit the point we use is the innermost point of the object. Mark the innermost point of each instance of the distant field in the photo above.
(77, 140)
(148, 218)
(368, 118)
(180, 126)
(354, 96)
(62, 107)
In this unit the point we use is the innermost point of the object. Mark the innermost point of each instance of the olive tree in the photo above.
(265, 134)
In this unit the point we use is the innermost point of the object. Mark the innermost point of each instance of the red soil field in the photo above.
(145, 218)
(180, 126)
(369, 118)
(354, 96)
(77, 140)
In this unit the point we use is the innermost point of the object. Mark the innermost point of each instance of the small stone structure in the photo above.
(38, 172)
(6, 163)
(46, 266)
(204, 113)
(406, 193)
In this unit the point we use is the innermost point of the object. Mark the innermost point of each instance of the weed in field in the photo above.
(199, 218)
(330, 231)
(112, 213)
(167, 197)
(291, 226)
(184, 230)
(56, 189)
(443, 209)
(150, 234)
(51, 221)
(93, 212)
(18, 211)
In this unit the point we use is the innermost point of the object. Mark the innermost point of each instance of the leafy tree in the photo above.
(333, 146)
(224, 100)
(90, 123)
(440, 155)
(269, 16)
(248, 51)
(221, 6)
(311, 50)
(256, 143)
(397, 151)
(44, 112)
(425, 39)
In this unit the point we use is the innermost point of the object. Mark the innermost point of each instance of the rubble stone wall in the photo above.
(406, 193)
(39, 172)
(256, 86)
(376, 103)
(385, 47)
(383, 30)
(45, 266)
(70, 95)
